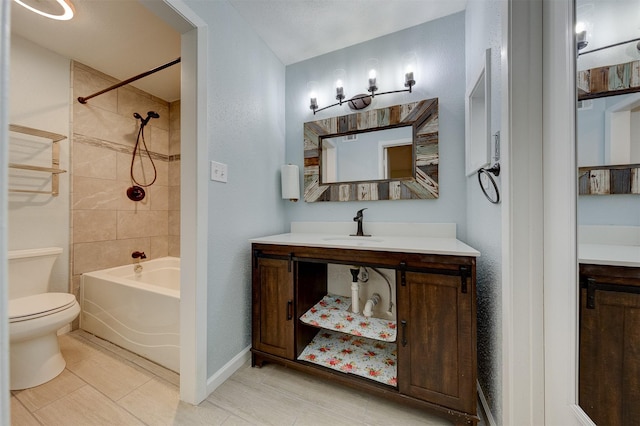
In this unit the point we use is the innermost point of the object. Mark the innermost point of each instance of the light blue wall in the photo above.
(483, 30)
(623, 210)
(439, 46)
(246, 132)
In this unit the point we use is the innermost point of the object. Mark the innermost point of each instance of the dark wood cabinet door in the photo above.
(610, 358)
(273, 309)
(436, 340)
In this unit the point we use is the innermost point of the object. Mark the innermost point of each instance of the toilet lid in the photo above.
(39, 305)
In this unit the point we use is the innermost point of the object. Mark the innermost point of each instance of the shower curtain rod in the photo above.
(606, 47)
(84, 99)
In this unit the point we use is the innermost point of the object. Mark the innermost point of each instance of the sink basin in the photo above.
(352, 241)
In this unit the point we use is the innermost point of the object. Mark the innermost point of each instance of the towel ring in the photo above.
(495, 169)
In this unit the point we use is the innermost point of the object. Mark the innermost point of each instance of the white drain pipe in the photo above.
(368, 307)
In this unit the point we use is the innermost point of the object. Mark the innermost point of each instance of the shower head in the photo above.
(150, 115)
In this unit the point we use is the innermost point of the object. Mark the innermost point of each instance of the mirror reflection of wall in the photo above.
(608, 22)
(382, 154)
(609, 130)
(600, 140)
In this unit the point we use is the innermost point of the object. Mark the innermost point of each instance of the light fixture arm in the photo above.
(359, 97)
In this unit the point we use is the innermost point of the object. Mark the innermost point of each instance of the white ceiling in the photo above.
(122, 38)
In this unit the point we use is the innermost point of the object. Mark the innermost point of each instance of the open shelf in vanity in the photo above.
(425, 357)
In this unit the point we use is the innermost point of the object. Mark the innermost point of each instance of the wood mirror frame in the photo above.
(610, 80)
(423, 184)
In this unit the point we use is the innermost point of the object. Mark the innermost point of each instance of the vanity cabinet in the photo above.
(430, 359)
(273, 330)
(609, 390)
(436, 351)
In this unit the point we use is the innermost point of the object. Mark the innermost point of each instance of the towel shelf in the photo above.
(55, 169)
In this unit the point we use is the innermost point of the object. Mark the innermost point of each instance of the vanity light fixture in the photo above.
(362, 101)
(581, 36)
(40, 8)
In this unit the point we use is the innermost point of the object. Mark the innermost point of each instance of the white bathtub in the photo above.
(137, 311)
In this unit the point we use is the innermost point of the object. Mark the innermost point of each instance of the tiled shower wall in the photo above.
(106, 227)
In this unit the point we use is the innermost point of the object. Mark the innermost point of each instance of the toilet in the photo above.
(35, 315)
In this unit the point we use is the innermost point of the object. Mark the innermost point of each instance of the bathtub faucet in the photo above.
(138, 255)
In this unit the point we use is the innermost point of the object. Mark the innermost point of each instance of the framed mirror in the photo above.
(384, 154)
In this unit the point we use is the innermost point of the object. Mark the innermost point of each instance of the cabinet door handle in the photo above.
(289, 310)
(403, 324)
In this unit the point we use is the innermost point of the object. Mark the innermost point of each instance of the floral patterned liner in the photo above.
(357, 355)
(331, 313)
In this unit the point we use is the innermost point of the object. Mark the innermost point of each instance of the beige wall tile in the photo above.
(123, 169)
(174, 142)
(93, 161)
(174, 128)
(157, 140)
(174, 222)
(86, 406)
(20, 416)
(174, 173)
(75, 286)
(174, 115)
(162, 166)
(94, 225)
(106, 254)
(142, 224)
(157, 401)
(105, 125)
(39, 396)
(159, 247)
(86, 83)
(99, 194)
(159, 197)
(131, 101)
(174, 199)
(123, 166)
(174, 246)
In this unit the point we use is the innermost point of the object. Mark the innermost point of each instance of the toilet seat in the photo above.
(39, 305)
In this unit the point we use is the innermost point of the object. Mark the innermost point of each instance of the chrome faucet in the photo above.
(359, 218)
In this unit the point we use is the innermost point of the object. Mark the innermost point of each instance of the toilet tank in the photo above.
(30, 270)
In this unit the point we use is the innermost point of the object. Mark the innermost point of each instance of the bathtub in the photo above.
(137, 311)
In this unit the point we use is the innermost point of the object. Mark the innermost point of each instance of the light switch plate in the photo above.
(218, 172)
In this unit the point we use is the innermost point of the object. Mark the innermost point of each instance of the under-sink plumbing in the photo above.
(355, 290)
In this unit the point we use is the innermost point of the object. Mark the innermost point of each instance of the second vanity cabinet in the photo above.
(431, 360)
(609, 390)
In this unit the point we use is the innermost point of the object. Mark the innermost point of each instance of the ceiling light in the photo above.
(66, 12)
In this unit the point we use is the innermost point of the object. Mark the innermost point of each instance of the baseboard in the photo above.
(485, 406)
(228, 369)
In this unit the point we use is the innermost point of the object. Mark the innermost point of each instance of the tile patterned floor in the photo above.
(106, 385)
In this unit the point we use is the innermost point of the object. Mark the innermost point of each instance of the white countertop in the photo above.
(405, 244)
(609, 254)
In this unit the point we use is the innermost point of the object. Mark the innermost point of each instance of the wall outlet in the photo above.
(218, 172)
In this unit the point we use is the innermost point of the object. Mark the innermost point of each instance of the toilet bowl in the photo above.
(35, 316)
